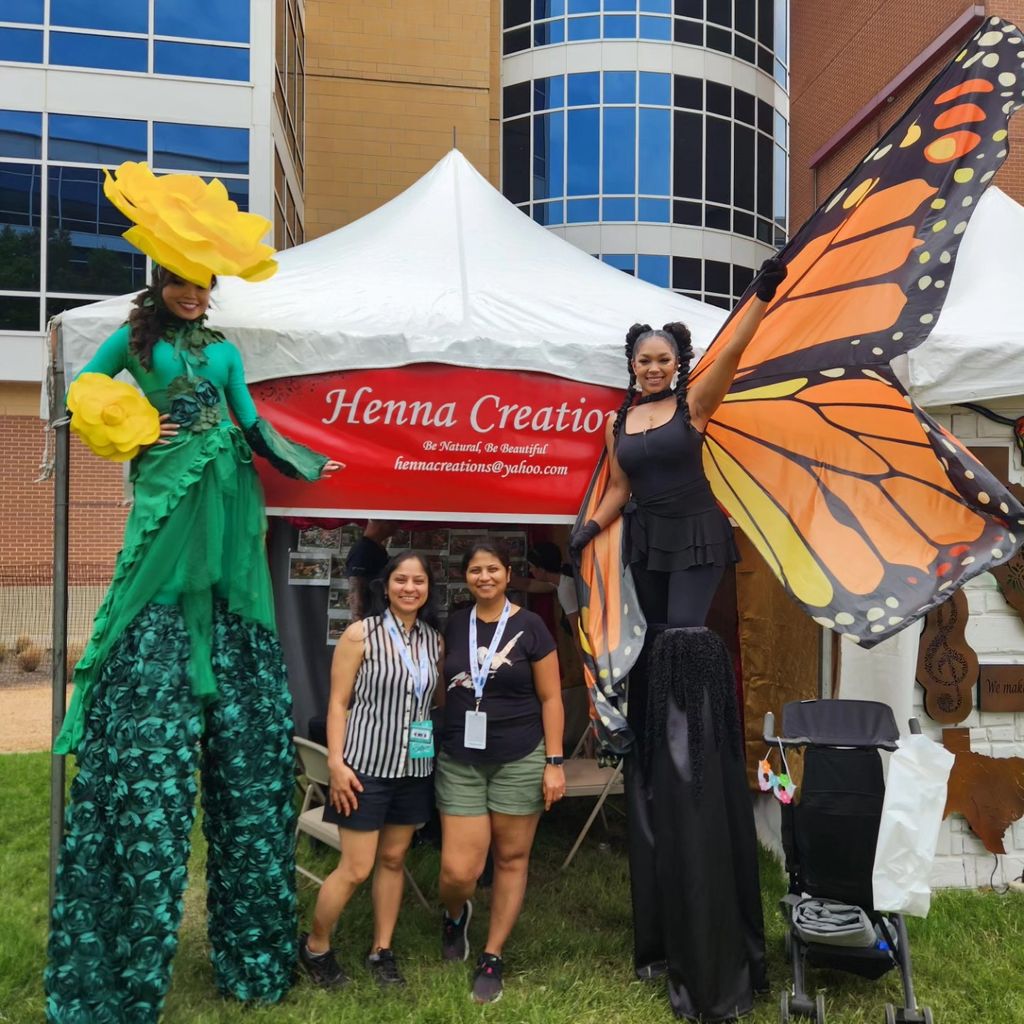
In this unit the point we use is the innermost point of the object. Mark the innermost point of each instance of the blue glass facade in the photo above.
(190, 38)
(81, 247)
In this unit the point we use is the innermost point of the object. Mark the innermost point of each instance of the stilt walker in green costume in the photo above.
(183, 670)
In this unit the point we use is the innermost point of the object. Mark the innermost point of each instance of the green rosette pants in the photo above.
(122, 873)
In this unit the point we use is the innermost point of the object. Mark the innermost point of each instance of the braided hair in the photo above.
(678, 337)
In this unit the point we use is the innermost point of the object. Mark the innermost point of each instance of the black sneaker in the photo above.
(487, 979)
(454, 936)
(384, 968)
(322, 969)
(652, 972)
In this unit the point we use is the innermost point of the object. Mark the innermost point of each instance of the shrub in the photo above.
(29, 658)
(23, 641)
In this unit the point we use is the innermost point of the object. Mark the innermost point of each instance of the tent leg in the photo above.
(60, 593)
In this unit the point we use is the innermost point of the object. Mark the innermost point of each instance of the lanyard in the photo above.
(479, 673)
(419, 678)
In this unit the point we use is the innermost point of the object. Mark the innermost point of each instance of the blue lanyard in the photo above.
(420, 678)
(479, 673)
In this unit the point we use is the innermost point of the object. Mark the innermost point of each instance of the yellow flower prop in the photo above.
(111, 417)
(188, 226)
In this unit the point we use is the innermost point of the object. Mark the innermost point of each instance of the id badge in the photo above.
(421, 739)
(476, 731)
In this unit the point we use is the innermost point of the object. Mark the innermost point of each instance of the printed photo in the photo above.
(316, 538)
(513, 543)
(338, 575)
(308, 569)
(400, 541)
(459, 597)
(337, 596)
(463, 540)
(337, 623)
(430, 541)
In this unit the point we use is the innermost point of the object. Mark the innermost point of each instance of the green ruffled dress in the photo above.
(197, 527)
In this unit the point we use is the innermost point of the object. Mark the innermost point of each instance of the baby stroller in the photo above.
(829, 840)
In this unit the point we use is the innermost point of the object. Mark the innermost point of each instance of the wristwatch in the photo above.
(555, 759)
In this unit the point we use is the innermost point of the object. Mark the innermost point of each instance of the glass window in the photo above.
(226, 20)
(620, 5)
(23, 45)
(744, 106)
(655, 28)
(548, 154)
(686, 213)
(581, 211)
(689, 92)
(548, 8)
(717, 276)
(765, 116)
(548, 93)
(620, 261)
(717, 217)
(742, 223)
(687, 166)
(719, 39)
(766, 22)
(690, 8)
(741, 278)
(516, 99)
(28, 12)
(584, 6)
(746, 18)
(55, 306)
(516, 40)
(516, 12)
(619, 26)
(781, 33)
(656, 6)
(21, 134)
(655, 152)
(720, 12)
(200, 147)
(781, 129)
(96, 140)
(686, 272)
(20, 190)
(85, 252)
(719, 98)
(114, 15)
(779, 175)
(549, 214)
(619, 151)
(743, 167)
(18, 314)
(197, 61)
(549, 33)
(689, 32)
(653, 269)
(717, 160)
(238, 192)
(85, 51)
(655, 89)
(654, 211)
(764, 176)
(584, 89)
(745, 49)
(620, 87)
(515, 160)
(583, 153)
(619, 209)
(584, 28)
(765, 60)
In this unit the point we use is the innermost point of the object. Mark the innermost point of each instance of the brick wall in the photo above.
(842, 55)
(386, 83)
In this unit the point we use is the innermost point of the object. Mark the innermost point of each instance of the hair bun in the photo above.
(632, 334)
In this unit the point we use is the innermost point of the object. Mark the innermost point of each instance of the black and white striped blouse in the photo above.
(384, 702)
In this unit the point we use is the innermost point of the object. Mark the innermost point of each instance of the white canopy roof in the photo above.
(450, 272)
(976, 349)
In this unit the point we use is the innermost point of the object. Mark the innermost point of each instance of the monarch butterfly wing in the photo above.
(865, 509)
(612, 627)
(869, 271)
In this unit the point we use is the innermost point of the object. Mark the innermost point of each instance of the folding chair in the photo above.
(584, 777)
(311, 816)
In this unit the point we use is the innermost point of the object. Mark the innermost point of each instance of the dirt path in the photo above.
(24, 718)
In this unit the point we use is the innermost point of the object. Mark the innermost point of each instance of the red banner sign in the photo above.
(439, 442)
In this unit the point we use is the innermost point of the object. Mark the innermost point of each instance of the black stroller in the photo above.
(829, 839)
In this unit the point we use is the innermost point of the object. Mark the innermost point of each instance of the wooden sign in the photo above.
(1001, 688)
(947, 666)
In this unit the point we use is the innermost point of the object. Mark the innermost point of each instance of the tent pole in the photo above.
(59, 425)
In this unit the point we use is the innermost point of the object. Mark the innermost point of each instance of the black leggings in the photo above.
(680, 598)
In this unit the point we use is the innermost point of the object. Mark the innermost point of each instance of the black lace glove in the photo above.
(769, 277)
(583, 536)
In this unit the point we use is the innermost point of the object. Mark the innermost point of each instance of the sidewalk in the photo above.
(24, 718)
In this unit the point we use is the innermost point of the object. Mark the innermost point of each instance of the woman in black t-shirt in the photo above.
(500, 761)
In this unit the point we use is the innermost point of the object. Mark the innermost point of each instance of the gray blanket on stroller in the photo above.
(832, 923)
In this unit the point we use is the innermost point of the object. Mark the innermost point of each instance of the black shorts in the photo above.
(404, 801)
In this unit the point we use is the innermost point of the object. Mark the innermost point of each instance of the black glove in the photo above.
(769, 277)
(583, 536)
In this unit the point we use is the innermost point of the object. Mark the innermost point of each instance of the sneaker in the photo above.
(652, 972)
(322, 969)
(454, 937)
(487, 979)
(384, 968)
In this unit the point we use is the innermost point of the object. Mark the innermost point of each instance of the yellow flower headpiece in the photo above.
(111, 417)
(188, 226)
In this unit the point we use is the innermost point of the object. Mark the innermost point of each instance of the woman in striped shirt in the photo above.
(381, 757)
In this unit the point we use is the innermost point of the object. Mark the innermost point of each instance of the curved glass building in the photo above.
(651, 133)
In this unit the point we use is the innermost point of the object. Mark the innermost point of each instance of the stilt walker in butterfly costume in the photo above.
(184, 669)
(867, 511)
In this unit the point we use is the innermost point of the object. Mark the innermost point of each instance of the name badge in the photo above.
(476, 731)
(421, 739)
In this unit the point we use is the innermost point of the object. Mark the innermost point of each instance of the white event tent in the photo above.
(447, 272)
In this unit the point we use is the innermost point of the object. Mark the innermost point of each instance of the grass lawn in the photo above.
(568, 961)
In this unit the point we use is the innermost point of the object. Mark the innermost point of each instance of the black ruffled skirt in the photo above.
(662, 543)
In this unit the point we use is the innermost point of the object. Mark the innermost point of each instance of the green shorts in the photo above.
(468, 790)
